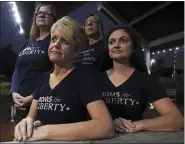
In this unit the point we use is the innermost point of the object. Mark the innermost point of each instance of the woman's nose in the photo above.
(117, 44)
(57, 44)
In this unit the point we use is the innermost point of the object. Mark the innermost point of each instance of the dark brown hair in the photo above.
(137, 59)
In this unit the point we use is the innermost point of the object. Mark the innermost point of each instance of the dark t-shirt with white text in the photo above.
(91, 55)
(130, 99)
(66, 102)
(32, 61)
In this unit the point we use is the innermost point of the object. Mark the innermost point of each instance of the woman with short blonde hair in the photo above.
(66, 95)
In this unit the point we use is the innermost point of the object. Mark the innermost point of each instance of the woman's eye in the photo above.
(111, 42)
(65, 41)
(124, 40)
(53, 39)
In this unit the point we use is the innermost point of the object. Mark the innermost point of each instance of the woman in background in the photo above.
(33, 58)
(127, 88)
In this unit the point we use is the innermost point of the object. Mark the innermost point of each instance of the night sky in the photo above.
(9, 30)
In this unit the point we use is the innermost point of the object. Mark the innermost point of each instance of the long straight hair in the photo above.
(34, 32)
(137, 59)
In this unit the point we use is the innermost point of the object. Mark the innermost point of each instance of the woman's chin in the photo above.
(55, 60)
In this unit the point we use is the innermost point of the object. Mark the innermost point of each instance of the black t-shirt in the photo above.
(129, 99)
(66, 103)
(32, 61)
(91, 55)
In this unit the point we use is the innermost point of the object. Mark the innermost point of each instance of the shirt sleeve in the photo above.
(15, 82)
(154, 90)
(15, 77)
(89, 84)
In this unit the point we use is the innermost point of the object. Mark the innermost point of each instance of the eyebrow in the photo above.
(90, 20)
(120, 37)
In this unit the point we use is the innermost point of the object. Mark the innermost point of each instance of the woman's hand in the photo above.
(24, 129)
(123, 125)
(18, 99)
(27, 100)
(39, 133)
(138, 126)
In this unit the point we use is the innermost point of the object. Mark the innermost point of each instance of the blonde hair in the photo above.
(73, 32)
(34, 32)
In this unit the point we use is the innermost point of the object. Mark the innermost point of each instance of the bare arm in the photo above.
(170, 119)
(33, 109)
(99, 127)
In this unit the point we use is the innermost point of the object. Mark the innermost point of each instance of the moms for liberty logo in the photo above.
(119, 98)
(31, 51)
(51, 104)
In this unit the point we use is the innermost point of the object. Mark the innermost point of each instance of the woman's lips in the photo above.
(54, 52)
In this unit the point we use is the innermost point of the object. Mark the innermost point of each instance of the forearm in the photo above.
(170, 122)
(93, 129)
(33, 109)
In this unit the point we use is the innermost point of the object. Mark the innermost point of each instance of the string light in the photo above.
(17, 16)
(164, 51)
(152, 61)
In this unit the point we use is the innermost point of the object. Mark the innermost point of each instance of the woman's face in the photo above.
(91, 26)
(60, 50)
(120, 45)
(44, 17)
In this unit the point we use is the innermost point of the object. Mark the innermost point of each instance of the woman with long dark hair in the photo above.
(127, 88)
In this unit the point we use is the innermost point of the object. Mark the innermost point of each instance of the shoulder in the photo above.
(142, 75)
(143, 78)
(147, 81)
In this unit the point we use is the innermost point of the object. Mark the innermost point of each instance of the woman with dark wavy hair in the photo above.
(127, 88)
(33, 58)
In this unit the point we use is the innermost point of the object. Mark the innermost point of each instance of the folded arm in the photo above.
(99, 127)
(170, 120)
